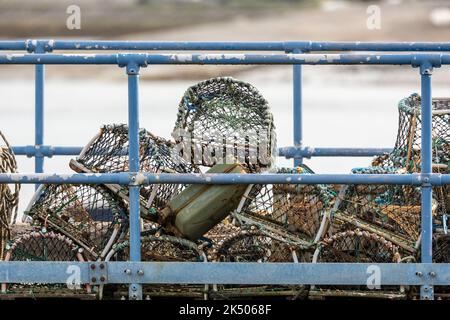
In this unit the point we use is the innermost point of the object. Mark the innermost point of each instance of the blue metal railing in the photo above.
(425, 274)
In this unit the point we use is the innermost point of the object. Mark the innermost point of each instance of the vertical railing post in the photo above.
(426, 291)
(297, 106)
(135, 290)
(39, 118)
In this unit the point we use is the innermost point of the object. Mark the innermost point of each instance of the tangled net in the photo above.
(38, 246)
(441, 254)
(220, 231)
(223, 119)
(163, 248)
(89, 215)
(108, 152)
(406, 153)
(9, 195)
(253, 245)
(287, 208)
(441, 248)
(393, 211)
(354, 246)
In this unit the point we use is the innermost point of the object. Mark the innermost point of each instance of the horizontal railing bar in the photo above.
(308, 152)
(305, 46)
(122, 178)
(46, 151)
(223, 178)
(287, 152)
(227, 273)
(433, 59)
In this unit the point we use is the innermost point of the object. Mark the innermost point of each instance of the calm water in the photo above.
(339, 110)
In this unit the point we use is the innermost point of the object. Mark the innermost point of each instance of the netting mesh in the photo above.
(393, 211)
(356, 246)
(9, 194)
(38, 246)
(223, 119)
(108, 152)
(406, 153)
(87, 214)
(441, 254)
(292, 208)
(220, 231)
(441, 248)
(163, 248)
(253, 245)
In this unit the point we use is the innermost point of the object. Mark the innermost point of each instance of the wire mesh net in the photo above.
(223, 119)
(441, 248)
(393, 211)
(162, 248)
(108, 152)
(87, 214)
(357, 246)
(38, 246)
(441, 254)
(253, 245)
(287, 208)
(217, 234)
(9, 194)
(406, 153)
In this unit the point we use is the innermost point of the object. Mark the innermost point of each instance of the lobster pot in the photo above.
(108, 152)
(289, 208)
(391, 211)
(49, 246)
(356, 246)
(406, 153)
(9, 194)
(160, 248)
(253, 245)
(222, 120)
(89, 215)
(441, 254)
(441, 248)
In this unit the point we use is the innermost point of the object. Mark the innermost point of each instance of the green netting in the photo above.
(87, 214)
(293, 209)
(9, 194)
(406, 153)
(108, 152)
(391, 211)
(394, 211)
(224, 120)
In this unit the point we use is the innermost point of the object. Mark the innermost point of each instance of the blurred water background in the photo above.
(344, 106)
